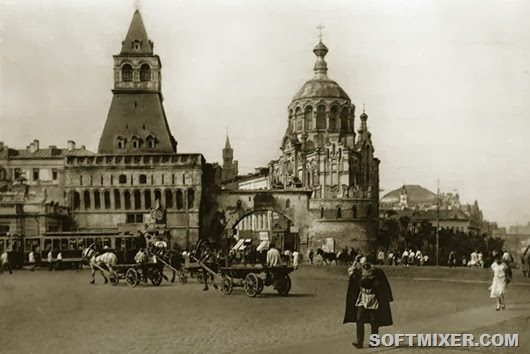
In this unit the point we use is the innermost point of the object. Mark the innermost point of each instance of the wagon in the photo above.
(253, 278)
(133, 274)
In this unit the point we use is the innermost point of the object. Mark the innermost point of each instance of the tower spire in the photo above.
(136, 41)
(320, 50)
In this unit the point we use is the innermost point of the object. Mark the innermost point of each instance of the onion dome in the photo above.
(320, 86)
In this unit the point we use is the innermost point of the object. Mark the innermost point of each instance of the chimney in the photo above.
(82, 147)
(70, 145)
(36, 144)
(1, 145)
(53, 150)
(31, 147)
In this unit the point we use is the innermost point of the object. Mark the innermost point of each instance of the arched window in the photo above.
(321, 117)
(145, 72)
(120, 142)
(127, 200)
(308, 117)
(77, 200)
(354, 212)
(158, 196)
(86, 199)
(333, 118)
(147, 198)
(321, 212)
(339, 213)
(287, 203)
(137, 200)
(97, 200)
(191, 198)
(299, 119)
(126, 73)
(117, 199)
(106, 199)
(123, 179)
(136, 142)
(169, 198)
(151, 141)
(344, 119)
(180, 199)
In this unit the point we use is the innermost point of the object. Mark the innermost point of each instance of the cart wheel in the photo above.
(251, 284)
(227, 286)
(156, 276)
(283, 285)
(114, 279)
(261, 285)
(132, 277)
(183, 278)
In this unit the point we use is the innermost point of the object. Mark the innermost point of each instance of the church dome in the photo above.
(320, 86)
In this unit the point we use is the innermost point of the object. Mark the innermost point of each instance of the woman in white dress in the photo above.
(501, 277)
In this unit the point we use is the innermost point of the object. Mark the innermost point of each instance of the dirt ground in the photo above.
(42, 312)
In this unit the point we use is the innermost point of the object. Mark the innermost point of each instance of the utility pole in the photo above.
(438, 223)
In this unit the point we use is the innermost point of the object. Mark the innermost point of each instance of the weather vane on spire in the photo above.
(364, 108)
(320, 27)
(137, 4)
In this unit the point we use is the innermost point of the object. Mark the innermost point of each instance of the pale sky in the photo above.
(446, 83)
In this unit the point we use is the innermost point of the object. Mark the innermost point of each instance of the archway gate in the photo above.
(292, 204)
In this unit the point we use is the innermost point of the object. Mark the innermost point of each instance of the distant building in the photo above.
(230, 168)
(520, 229)
(25, 210)
(420, 205)
(42, 168)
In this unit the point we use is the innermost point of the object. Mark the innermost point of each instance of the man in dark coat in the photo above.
(368, 300)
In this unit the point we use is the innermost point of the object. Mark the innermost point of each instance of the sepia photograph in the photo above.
(264, 176)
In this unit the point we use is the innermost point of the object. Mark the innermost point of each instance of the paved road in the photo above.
(60, 312)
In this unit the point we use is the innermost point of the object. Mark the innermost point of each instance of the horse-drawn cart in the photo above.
(253, 278)
(133, 274)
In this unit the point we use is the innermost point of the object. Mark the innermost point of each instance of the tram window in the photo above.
(106, 242)
(128, 243)
(47, 244)
(64, 244)
(56, 243)
(1, 245)
(81, 243)
(98, 240)
(73, 244)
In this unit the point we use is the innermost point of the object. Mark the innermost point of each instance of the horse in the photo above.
(98, 261)
(173, 259)
(327, 257)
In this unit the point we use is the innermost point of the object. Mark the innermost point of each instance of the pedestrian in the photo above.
(4, 262)
(50, 260)
(412, 257)
(390, 258)
(311, 255)
(501, 278)
(31, 259)
(59, 260)
(405, 258)
(368, 300)
(296, 257)
(273, 256)
(381, 257)
(419, 258)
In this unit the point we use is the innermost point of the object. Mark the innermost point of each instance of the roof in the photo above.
(227, 143)
(138, 33)
(139, 114)
(430, 215)
(416, 194)
(48, 153)
(321, 88)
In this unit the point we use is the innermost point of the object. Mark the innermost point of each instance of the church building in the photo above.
(322, 152)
